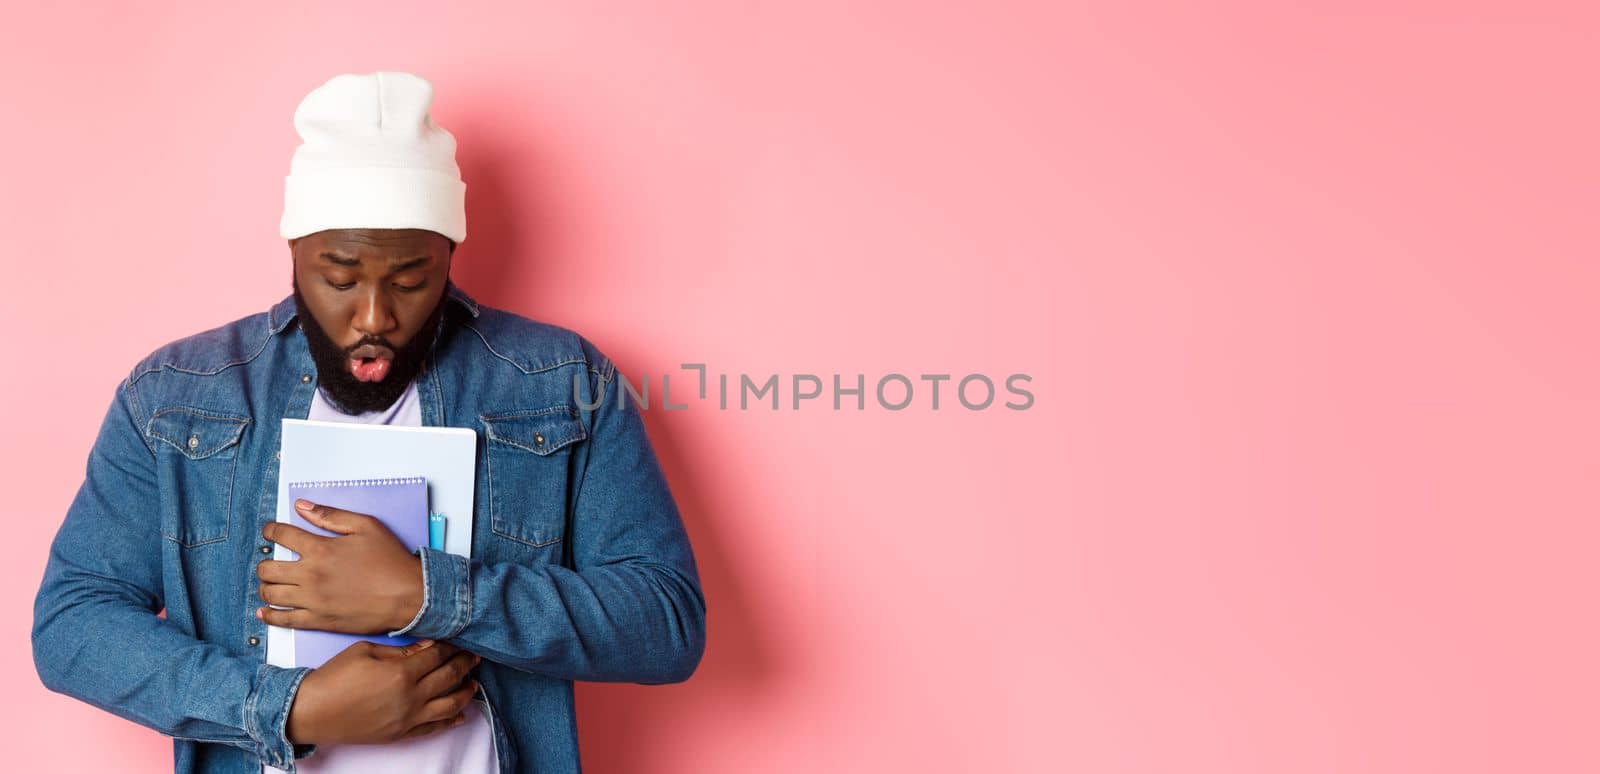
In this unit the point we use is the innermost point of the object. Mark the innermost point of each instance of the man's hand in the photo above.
(375, 694)
(363, 581)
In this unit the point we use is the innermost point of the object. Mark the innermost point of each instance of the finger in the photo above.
(390, 651)
(291, 619)
(278, 571)
(332, 519)
(422, 645)
(450, 704)
(407, 650)
(436, 725)
(284, 595)
(292, 537)
(449, 675)
(425, 660)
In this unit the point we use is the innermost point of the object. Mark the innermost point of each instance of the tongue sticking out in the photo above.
(371, 369)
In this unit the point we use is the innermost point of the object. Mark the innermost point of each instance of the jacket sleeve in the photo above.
(628, 609)
(97, 632)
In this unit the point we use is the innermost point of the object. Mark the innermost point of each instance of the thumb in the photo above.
(331, 519)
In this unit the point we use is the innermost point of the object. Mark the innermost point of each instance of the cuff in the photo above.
(266, 716)
(446, 597)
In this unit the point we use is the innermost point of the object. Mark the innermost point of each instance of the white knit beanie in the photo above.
(371, 157)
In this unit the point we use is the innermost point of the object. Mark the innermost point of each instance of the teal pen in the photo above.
(436, 531)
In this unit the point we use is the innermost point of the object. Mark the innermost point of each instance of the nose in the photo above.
(374, 316)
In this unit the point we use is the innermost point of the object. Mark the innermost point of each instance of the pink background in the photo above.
(1307, 297)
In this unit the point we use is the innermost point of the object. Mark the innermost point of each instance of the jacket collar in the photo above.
(281, 313)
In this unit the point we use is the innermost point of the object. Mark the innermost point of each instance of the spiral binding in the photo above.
(362, 482)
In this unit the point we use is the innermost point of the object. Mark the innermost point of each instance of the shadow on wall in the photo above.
(506, 225)
(621, 727)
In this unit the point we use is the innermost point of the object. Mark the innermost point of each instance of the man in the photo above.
(580, 567)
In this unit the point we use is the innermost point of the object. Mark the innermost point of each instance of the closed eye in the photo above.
(398, 286)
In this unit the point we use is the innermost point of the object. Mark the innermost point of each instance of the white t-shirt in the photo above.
(465, 749)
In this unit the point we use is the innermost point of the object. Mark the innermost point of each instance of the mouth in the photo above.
(370, 363)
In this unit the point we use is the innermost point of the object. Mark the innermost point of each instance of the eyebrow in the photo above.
(395, 267)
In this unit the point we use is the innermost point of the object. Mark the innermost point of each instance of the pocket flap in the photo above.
(196, 433)
(540, 431)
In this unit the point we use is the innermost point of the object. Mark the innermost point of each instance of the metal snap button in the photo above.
(538, 438)
(255, 641)
(194, 441)
(305, 378)
(266, 549)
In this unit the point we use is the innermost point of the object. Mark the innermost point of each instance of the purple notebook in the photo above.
(400, 503)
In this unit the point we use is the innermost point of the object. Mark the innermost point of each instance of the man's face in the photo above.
(369, 303)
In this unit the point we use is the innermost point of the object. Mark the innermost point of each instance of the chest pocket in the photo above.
(196, 455)
(529, 457)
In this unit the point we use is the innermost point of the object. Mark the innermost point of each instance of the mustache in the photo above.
(372, 346)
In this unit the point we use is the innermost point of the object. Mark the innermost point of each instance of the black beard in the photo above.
(340, 387)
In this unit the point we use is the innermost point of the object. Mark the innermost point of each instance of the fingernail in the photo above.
(459, 720)
(424, 644)
(258, 614)
(304, 505)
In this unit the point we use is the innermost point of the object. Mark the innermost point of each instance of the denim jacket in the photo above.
(580, 566)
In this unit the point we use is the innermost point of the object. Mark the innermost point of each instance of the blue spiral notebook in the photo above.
(400, 503)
